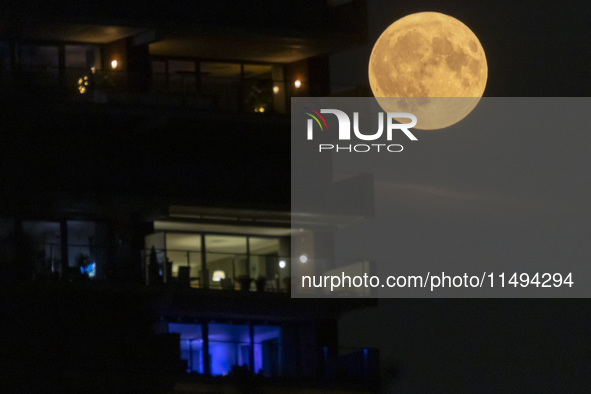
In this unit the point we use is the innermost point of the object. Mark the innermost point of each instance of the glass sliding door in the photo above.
(191, 338)
(45, 248)
(264, 257)
(269, 262)
(183, 252)
(227, 261)
(229, 347)
(267, 355)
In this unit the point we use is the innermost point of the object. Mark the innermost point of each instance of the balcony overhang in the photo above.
(75, 33)
(200, 227)
(244, 219)
(243, 47)
(262, 31)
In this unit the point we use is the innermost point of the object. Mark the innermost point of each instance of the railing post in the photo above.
(204, 272)
(325, 366)
(248, 258)
(62, 84)
(206, 362)
(191, 355)
(64, 247)
(145, 258)
(365, 365)
(164, 267)
(251, 348)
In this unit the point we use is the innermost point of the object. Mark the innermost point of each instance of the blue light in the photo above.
(258, 357)
(229, 346)
(90, 270)
(222, 358)
(191, 344)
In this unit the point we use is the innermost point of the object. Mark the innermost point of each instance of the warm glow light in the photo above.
(275, 89)
(218, 275)
(261, 109)
(303, 259)
(297, 83)
(93, 69)
(82, 84)
(426, 55)
(114, 64)
(282, 264)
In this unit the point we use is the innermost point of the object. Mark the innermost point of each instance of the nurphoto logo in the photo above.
(344, 130)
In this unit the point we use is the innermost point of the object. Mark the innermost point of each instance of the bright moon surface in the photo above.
(428, 55)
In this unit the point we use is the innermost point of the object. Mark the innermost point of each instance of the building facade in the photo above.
(146, 156)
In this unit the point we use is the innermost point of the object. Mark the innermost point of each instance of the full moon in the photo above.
(431, 65)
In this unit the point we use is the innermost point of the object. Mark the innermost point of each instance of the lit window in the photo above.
(230, 345)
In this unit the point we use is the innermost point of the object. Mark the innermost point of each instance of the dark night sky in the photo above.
(533, 48)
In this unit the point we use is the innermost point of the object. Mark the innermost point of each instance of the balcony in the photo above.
(259, 94)
(291, 367)
(224, 271)
(269, 353)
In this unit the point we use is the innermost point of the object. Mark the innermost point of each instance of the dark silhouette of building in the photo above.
(145, 215)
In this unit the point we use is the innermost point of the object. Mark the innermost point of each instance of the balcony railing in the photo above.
(218, 271)
(210, 270)
(256, 94)
(343, 366)
(190, 90)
